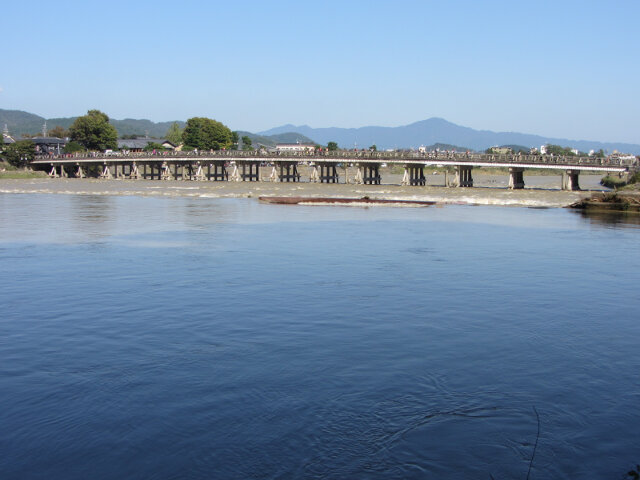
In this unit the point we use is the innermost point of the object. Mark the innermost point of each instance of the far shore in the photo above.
(489, 189)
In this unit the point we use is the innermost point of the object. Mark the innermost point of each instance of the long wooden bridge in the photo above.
(246, 165)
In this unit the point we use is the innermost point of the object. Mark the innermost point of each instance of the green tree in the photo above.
(246, 143)
(73, 147)
(235, 139)
(559, 151)
(58, 132)
(206, 134)
(94, 132)
(20, 153)
(154, 146)
(174, 134)
(373, 148)
(332, 146)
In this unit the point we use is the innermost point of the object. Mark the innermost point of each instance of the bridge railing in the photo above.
(347, 155)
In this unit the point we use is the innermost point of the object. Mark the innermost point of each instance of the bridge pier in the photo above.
(79, 171)
(371, 174)
(288, 172)
(134, 173)
(54, 171)
(219, 172)
(516, 178)
(328, 173)
(414, 175)
(250, 172)
(199, 175)
(166, 172)
(463, 177)
(106, 172)
(570, 180)
(152, 171)
(119, 170)
(314, 177)
(187, 171)
(359, 177)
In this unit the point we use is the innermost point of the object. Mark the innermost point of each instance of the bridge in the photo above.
(323, 166)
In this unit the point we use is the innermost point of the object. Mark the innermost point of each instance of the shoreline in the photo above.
(488, 190)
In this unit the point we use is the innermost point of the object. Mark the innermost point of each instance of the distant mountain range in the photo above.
(438, 130)
(19, 123)
(272, 140)
(434, 131)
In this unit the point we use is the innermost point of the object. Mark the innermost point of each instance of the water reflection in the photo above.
(610, 219)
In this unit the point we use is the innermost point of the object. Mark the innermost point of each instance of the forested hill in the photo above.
(19, 122)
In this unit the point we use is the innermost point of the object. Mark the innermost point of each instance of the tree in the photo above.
(73, 147)
(235, 139)
(206, 134)
(332, 146)
(154, 146)
(58, 132)
(174, 134)
(94, 132)
(559, 151)
(246, 143)
(373, 148)
(20, 153)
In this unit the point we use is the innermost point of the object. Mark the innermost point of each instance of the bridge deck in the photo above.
(392, 158)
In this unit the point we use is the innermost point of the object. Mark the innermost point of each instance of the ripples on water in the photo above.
(173, 338)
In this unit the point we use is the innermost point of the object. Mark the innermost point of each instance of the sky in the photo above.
(562, 69)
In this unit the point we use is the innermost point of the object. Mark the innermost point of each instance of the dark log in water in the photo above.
(341, 201)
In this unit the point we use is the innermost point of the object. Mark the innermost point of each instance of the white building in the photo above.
(295, 147)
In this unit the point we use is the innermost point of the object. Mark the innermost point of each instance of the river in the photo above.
(193, 337)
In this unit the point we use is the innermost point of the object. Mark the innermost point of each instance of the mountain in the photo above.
(434, 131)
(271, 140)
(19, 122)
(438, 130)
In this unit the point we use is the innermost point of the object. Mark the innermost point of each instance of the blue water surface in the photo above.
(223, 338)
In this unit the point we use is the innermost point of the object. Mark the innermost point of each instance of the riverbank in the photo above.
(623, 201)
(8, 171)
(541, 191)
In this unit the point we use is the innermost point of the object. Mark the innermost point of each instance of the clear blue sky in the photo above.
(555, 68)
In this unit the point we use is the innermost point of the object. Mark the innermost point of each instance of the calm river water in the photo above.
(222, 338)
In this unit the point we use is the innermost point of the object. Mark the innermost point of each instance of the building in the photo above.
(48, 145)
(139, 144)
(295, 147)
